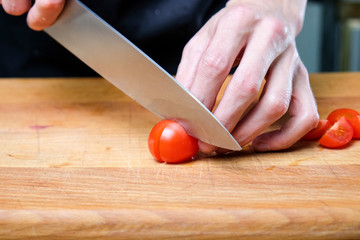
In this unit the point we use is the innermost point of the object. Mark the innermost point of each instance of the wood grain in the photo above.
(74, 164)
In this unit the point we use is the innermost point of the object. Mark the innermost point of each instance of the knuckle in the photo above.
(278, 106)
(239, 12)
(277, 28)
(312, 119)
(302, 71)
(248, 89)
(215, 64)
(191, 50)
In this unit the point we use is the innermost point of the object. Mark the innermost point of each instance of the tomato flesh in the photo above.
(351, 115)
(338, 135)
(318, 131)
(153, 141)
(169, 142)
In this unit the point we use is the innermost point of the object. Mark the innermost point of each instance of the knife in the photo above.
(120, 62)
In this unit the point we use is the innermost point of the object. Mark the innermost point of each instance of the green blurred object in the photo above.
(349, 19)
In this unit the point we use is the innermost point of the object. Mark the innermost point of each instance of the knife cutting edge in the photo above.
(120, 62)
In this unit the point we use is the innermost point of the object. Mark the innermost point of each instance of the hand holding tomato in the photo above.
(258, 38)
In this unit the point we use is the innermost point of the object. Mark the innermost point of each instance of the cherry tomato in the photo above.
(318, 131)
(338, 135)
(169, 142)
(352, 115)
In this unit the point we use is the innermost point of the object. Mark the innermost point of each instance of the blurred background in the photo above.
(330, 39)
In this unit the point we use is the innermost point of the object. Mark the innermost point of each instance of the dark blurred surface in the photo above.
(161, 28)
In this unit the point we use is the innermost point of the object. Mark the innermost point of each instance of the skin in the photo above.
(258, 38)
(41, 14)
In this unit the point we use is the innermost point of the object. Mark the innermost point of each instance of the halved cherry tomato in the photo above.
(155, 135)
(169, 142)
(338, 135)
(352, 115)
(318, 131)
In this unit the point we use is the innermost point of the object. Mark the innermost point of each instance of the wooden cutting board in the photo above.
(74, 164)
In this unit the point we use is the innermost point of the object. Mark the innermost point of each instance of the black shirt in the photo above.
(161, 28)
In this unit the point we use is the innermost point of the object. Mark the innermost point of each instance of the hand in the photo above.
(41, 15)
(260, 36)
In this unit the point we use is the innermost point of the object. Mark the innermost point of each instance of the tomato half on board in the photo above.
(318, 131)
(338, 135)
(169, 142)
(352, 115)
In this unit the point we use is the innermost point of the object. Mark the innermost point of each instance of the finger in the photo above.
(303, 117)
(44, 13)
(193, 51)
(274, 101)
(16, 7)
(264, 45)
(215, 64)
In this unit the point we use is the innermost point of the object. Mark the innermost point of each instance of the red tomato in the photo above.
(352, 115)
(338, 135)
(318, 131)
(169, 142)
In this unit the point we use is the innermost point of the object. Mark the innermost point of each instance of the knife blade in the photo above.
(120, 62)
